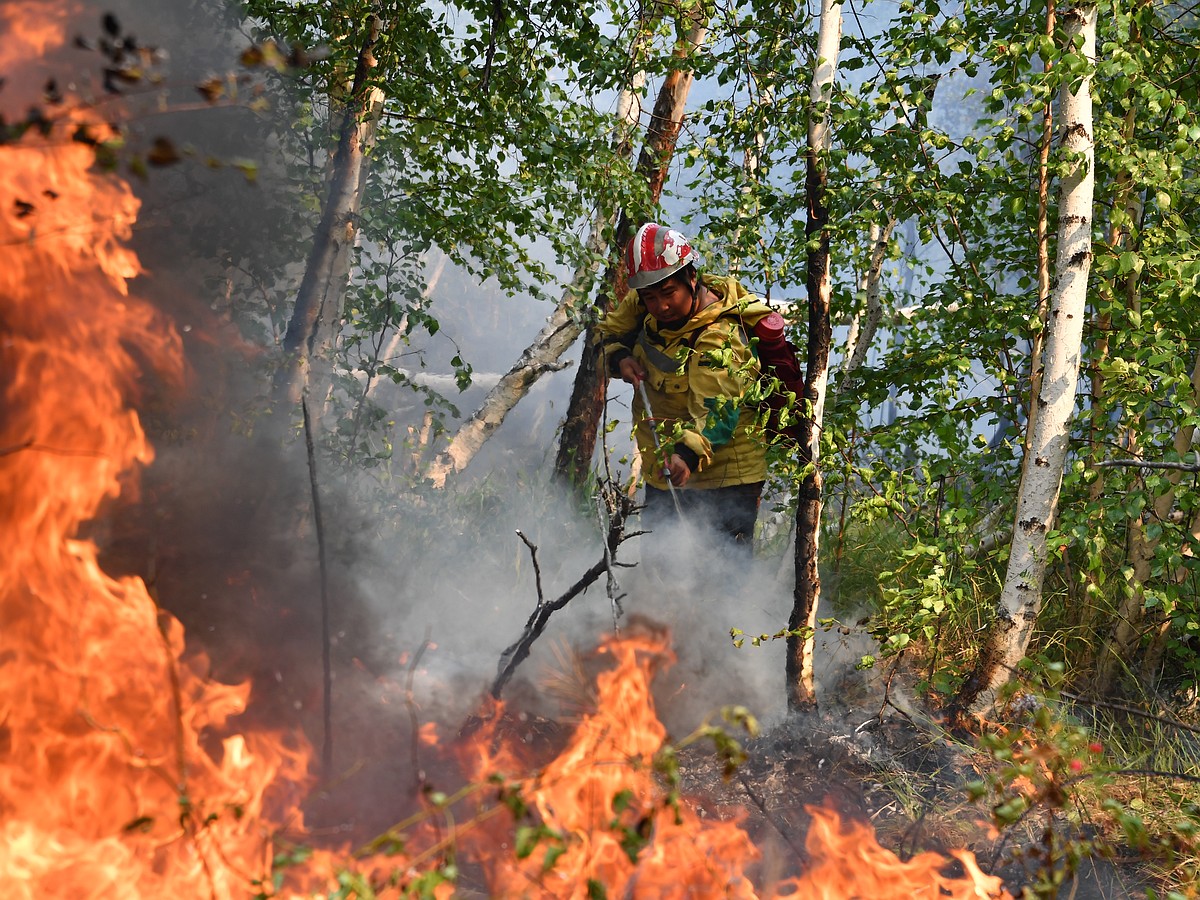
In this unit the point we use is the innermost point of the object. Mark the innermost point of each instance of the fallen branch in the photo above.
(619, 507)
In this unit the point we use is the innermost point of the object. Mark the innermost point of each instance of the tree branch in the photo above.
(620, 506)
(1143, 464)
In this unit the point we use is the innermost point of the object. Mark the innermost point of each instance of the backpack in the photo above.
(779, 360)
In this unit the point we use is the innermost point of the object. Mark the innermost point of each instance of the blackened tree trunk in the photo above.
(577, 444)
(801, 689)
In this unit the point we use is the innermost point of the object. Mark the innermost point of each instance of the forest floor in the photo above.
(902, 772)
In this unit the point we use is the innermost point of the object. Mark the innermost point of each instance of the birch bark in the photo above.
(1037, 501)
(865, 326)
(801, 689)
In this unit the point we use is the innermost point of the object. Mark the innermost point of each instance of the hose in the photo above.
(641, 386)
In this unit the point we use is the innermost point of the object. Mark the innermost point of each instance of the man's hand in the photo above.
(677, 471)
(631, 371)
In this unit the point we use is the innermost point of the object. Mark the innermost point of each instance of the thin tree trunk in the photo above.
(1118, 650)
(1143, 548)
(801, 690)
(864, 327)
(314, 324)
(1043, 249)
(1126, 215)
(577, 444)
(1037, 502)
(748, 212)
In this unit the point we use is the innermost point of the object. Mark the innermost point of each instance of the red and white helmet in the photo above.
(655, 253)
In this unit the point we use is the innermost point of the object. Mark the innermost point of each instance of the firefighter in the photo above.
(680, 338)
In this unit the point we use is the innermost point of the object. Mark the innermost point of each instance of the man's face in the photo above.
(668, 301)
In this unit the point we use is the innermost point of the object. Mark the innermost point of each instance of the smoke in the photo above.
(470, 593)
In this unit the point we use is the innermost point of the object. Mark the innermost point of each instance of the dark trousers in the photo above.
(730, 510)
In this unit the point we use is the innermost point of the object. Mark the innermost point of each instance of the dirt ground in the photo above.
(903, 774)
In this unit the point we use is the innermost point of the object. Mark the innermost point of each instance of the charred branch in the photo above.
(619, 507)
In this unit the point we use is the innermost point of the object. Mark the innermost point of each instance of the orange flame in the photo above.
(606, 819)
(609, 821)
(30, 29)
(107, 789)
(847, 861)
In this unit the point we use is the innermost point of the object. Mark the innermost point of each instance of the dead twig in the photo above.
(326, 648)
(620, 506)
(1145, 464)
(537, 569)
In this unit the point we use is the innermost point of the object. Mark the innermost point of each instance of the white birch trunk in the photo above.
(866, 324)
(336, 277)
(1037, 503)
(313, 325)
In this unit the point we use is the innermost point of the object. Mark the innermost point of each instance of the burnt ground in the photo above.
(905, 775)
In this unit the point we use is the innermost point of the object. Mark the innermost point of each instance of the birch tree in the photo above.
(1037, 501)
(317, 313)
(1121, 651)
(491, 137)
(802, 623)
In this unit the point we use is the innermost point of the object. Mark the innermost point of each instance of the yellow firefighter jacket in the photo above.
(697, 376)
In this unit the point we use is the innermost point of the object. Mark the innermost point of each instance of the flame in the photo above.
(847, 861)
(30, 29)
(609, 819)
(108, 787)
(606, 818)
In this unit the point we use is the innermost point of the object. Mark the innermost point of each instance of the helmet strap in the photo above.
(695, 286)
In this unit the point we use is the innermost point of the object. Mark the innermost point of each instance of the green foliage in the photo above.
(1064, 790)
(936, 122)
(494, 149)
(490, 151)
